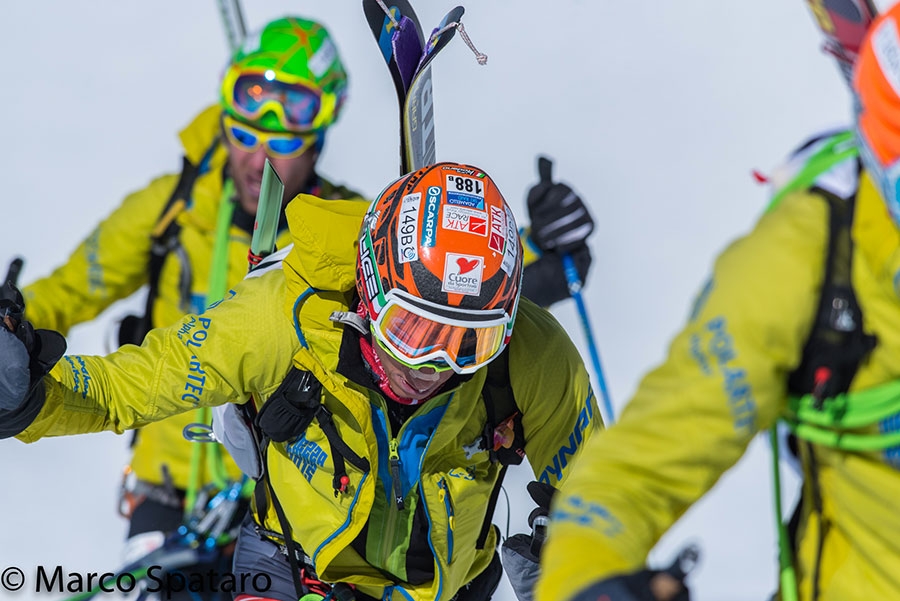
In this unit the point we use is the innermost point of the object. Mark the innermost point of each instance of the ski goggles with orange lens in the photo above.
(419, 334)
(279, 146)
(298, 105)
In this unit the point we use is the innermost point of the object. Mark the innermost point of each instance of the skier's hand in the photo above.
(559, 218)
(646, 585)
(14, 375)
(542, 494)
(545, 281)
(12, 305)
(521, 553)
(26, 354)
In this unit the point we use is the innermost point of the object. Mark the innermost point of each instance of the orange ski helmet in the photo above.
(439, 268)
(876, 88)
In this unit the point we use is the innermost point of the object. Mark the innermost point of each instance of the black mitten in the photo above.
(560, 220)
(647, 584)
(42, 349)
(544, 281)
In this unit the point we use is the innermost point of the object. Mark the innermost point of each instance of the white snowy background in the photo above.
(655, 112)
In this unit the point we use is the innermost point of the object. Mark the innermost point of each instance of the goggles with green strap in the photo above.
(295, 103)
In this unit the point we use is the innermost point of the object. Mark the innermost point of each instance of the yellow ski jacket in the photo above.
(245, 346)
(112, 263)
(725, 380)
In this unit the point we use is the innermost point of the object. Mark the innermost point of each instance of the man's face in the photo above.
(246, 167)
(409, 383)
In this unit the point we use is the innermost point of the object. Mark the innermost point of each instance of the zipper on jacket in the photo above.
(444, 495)
(439, 572)
(397, 485)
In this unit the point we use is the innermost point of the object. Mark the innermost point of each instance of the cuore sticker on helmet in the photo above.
(462, 274)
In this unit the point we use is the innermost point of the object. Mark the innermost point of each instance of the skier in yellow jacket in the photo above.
(366, 356)
(187, 236)
(745, 359)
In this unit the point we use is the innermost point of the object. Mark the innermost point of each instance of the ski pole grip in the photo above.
(539, 534)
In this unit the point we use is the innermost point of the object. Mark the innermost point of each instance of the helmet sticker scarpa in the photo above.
(462, 219)
(462, 274)
(429, 224)
(465, 191)
(408, 228)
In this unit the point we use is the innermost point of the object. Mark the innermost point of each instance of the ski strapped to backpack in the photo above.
(408, 56)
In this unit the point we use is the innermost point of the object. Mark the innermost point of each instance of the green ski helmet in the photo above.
(287, 77)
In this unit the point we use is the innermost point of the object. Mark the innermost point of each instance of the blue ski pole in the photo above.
(575, 292)
(573, 279)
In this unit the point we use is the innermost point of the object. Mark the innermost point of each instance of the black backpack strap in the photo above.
(164, 239)
(837, 345)
(833, 352)
(491, 506)
(293, 549)
(503, 434)
(504, 423)
(284, 416)
(340, 451)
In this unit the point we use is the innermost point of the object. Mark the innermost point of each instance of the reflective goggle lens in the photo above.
(285, 146)
(249, 139)
(416, 340)
(255, 93)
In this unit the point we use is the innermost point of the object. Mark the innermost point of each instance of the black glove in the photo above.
(559, 218)
(544, 281)
(646, 585)
(27, 354)
(521, 553)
